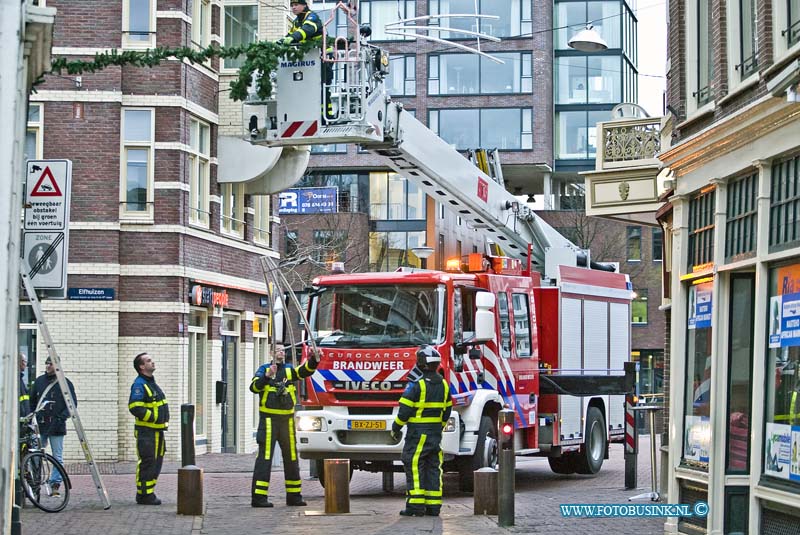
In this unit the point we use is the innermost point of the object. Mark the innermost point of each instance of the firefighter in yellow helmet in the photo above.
(307, 25)
(425, 408)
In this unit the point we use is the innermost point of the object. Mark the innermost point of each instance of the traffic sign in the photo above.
(44, 255)
(47, 192)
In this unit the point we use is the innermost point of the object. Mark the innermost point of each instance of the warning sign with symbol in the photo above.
(47, 194)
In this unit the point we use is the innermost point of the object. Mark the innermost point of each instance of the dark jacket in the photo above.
(425, 404)
(148, 404)
(306, 27)
(278, 395)
(24, 398)
(53, 419)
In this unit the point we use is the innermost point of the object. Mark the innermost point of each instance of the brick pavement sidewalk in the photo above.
(227, 479)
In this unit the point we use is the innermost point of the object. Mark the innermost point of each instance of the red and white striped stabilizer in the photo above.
(630, 425)
(298, 129)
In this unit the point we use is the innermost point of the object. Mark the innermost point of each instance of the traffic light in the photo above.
(506, 425)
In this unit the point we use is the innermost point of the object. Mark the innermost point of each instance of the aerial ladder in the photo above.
(363, 112)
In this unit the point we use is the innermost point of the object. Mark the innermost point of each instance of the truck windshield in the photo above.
(378, 316)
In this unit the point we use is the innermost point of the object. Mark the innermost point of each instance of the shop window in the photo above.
(701, 229)
(696, 425)
(783, 376)
(198, 340)
(260, 355)
(740, 228)
(634, 244)
(639, 307)
(522, 324)
(241, 28)
(740, 367)
(784, 225)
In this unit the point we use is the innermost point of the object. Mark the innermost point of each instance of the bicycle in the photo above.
(38, 469)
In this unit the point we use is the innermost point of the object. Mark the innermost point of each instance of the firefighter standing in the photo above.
(306, 26)
(425, 407)
(275, 385)
(149, 405)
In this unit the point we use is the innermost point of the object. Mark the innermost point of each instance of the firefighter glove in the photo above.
(395, 435)
(287, 41)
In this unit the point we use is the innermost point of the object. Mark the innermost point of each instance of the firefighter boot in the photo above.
(295, 500)
(411, 512)
(260, 501)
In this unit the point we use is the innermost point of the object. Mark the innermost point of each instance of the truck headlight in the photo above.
(309, 423)
(451, 425)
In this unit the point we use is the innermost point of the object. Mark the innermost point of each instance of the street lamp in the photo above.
(588, 40)
(423, 253)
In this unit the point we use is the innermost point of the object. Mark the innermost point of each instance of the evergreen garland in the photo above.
(261, 56)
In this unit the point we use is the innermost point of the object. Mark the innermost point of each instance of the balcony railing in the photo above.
(629, 142)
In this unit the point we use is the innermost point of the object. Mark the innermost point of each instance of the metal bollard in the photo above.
(505, 484)
(337, 486)
(631, 442)
(190, 477)
(484, 496)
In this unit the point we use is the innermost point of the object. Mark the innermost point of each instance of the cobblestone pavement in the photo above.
(539, 493)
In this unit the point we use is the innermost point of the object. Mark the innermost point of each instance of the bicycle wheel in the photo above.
(45, 482)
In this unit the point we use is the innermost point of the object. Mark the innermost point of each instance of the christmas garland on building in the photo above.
(259, 57)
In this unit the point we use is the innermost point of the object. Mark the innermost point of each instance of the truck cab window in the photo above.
(522, 324)
(505, 325)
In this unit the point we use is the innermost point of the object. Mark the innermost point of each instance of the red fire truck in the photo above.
(543, 330)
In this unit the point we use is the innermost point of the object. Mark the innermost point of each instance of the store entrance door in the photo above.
(230, 350)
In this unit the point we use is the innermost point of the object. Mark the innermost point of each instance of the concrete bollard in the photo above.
(485, 491)
(190, 477)
(337, 486)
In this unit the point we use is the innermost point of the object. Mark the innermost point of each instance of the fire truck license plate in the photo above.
(367, 425)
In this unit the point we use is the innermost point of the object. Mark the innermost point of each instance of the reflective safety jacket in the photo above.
(306, 27)
(24, 398)
(148, 404)
(426, 402)
(278, 394)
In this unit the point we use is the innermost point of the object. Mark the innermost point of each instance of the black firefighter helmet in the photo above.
(428, 358)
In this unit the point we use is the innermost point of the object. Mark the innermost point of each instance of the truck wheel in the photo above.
(485, 455)
(562, 465)
(590, 458)
(320, 463)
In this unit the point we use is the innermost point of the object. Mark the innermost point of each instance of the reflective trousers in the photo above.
(280, 429)
(150, 451)
(422, 459)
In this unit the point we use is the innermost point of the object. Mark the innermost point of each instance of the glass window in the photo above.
(199, 165)
(497, 129)
(571, 80)
(793, 32)
(379, 13)
(337, 148)
(137, 168)
(505, 325)
(461, 74)
(330, 246)
(473, 128)
(402, 79)
(201, 23)
(34, 133)
(232, 213)
(701, 229)
(138, 23)
(514, 17)
(605, 79)
(784, 225)
(783, 376)
(198, 338)
(576, 133)
(390, 250)
(740, 368)
(658, 244)
(292, 245)
(634, 243)
(396, 196)
(261, 220)
(571, 17)
(697, 429)
(522, 324)
(639, 307)
(705, 58)
(459, 128)
(241, 28)
(392, 197)
(378, 195)
(737, 509)
(740, 227)
(416, 201)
